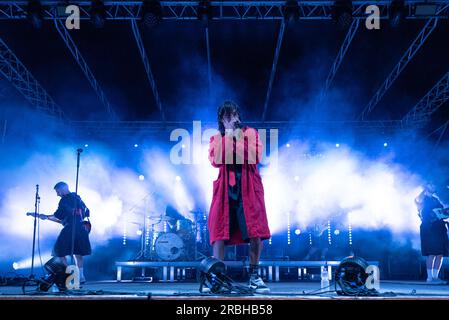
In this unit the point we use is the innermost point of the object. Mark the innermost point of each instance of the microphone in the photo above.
(79, 150)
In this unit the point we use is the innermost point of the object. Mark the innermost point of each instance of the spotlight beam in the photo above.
(62, 30)
(146, 64)
(273, 68)
(340, 56)
(209, 64)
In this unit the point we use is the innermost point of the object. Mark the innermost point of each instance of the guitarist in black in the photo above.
(70, 213)
(433, 232)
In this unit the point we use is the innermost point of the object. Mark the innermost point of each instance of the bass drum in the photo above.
(169, 247)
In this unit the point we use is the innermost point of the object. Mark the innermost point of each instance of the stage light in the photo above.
(342, 13)
(139, 232)
(204, 11)
(98, 14)
(337, 145)
(56, 275)
(350, 278)
(15, 266)
(291, 12)
(425, 9)
(337, 232)
(385, 144)
(397, 12)
(86, 145)
(141, 177)
(297, 232)
(183, 146)
(296, 178)
(288, 145)
(34, 12)
(178, 178)
(136, 145)
(151, 13)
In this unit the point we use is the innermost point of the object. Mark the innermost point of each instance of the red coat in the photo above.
(251, 188)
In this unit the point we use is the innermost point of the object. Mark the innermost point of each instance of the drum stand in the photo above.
(199, 254)
(143, 253)
(147, 235)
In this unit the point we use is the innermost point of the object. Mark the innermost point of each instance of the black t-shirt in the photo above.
(428, 204)
(66, 209)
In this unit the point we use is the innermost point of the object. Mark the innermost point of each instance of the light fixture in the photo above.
(212, 274)
(151, 13)
(204, 11)
(397, 12)
(342, 13)
(34, 12)
(56, 275)
(291, 12)
(350, 278)
(425, 9)
(98, 14)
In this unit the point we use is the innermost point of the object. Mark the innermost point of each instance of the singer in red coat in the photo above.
(237, 213)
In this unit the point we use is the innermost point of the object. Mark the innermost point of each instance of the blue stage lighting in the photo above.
(297, 232)
(337, 145)
(141, 177)
(136, 145)
(385, 144)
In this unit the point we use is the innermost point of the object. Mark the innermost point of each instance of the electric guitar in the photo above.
(441, 213)
(86, 224)
(43, 216)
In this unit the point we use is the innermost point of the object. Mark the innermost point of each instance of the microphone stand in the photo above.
(31, 280)
(36, 212)
(78, 151)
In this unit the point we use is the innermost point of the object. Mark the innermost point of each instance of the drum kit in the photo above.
(175, 239)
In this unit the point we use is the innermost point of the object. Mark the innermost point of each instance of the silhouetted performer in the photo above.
(70, 214)
(433, 232)
(237, 212)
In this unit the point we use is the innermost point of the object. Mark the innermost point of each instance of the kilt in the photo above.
(63, 245)
(434, 239)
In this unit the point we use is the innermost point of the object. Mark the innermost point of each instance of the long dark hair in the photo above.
(227, 108)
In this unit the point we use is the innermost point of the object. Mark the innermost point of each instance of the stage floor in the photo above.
(189, 291)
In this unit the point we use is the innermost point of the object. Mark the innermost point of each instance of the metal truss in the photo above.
(221, 10)
(405, 59)
(273, 68)
(16, 73)
(430, 103)
(341, 54)
(146, 64)
(142, 127)
(62, 30)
